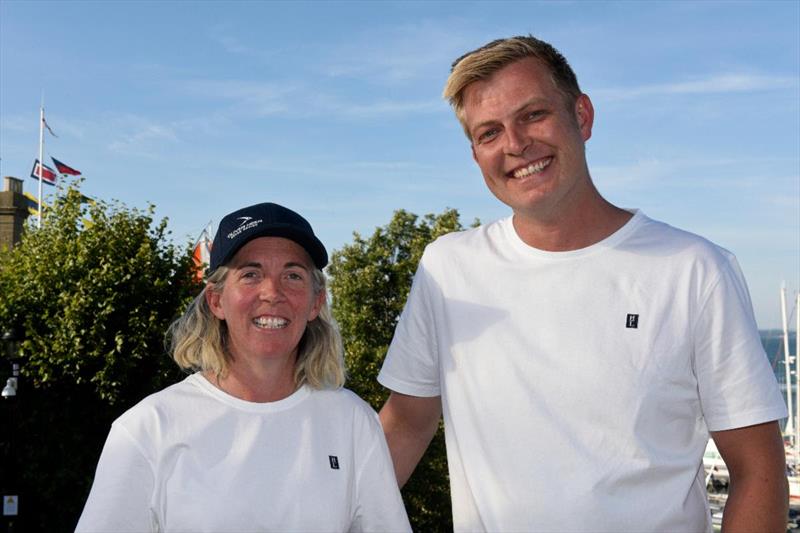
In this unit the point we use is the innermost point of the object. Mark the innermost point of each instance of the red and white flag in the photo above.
(47, 174)
(201, 254)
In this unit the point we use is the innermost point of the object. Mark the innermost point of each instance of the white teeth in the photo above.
(532, 168)
(270, 322)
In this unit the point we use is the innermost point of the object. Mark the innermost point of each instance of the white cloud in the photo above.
(18, 124)
(226, 36)
(384, 107)
(254, 98)
(700, 172)
(719, 83)
(258, 98)
(395, 54)
(140, 136)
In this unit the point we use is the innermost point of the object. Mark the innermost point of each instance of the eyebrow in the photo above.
(256, 264)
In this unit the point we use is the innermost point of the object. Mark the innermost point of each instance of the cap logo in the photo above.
(246, 224)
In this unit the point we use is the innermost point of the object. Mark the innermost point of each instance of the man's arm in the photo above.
(758, 494)
(409, 423)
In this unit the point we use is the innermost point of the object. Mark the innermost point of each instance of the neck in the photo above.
(581, 224)
(256, 384)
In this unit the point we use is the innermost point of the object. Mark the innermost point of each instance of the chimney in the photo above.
(13, 212)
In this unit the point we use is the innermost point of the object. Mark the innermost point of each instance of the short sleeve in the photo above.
(379, 506)
(736, 383)
(412, 364)
(123, 484)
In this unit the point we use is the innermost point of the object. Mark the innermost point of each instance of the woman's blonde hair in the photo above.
(482, 63)
(198, 339)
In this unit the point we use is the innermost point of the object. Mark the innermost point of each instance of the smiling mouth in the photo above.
(271, 322)
(533, 168)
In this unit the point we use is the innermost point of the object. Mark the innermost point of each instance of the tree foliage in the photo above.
(90, 293)
(370, 280)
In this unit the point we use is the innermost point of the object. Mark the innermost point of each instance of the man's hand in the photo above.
(409, 423)
(758, 494)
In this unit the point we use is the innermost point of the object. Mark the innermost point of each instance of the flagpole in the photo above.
(41, 161)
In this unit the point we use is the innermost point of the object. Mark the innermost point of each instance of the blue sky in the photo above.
(334, 109)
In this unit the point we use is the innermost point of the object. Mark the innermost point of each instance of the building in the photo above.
(13, 212)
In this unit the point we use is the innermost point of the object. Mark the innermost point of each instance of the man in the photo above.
(580, 353)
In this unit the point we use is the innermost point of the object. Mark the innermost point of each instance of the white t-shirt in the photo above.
(578, 387)
(193, 458)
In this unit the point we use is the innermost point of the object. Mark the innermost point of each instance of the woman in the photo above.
(261, 437)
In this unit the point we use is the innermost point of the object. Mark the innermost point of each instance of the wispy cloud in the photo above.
(378, 108)
(719, 83)
(258, 98)
(396, 54)
(255, 98)
(722, 173)
(140, 136)
(225, 35)
(18, 124)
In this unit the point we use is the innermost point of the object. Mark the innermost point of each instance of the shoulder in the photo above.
(160, 407)
(668, 242)
(466, 241)
(342, 399)
(346, 406)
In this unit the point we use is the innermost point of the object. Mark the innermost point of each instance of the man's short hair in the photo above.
(482, 63)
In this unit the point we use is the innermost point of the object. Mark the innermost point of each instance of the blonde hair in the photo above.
(482, 63)
(198, 339)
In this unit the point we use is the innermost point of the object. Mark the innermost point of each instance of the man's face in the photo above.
(527, 141)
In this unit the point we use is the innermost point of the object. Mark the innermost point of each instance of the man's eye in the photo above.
(487, 135)
(294, 276)
(534, 115)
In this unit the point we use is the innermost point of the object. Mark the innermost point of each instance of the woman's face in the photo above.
(267, 300)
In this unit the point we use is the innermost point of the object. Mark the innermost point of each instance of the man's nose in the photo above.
(517, 141)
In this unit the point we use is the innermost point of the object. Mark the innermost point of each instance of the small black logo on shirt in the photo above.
(334, 461)
(632, 322)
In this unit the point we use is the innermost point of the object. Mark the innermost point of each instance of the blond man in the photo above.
(581, 353)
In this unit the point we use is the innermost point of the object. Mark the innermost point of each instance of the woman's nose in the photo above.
(270, 289)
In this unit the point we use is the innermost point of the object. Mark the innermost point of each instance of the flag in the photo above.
(201, 253)
(32, 204)
(47, 173)
(46, 125)
(65, 169)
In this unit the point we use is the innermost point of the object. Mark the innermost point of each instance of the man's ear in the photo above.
(584, 114)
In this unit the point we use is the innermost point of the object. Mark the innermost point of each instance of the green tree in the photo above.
(91, 294)
(370, 280)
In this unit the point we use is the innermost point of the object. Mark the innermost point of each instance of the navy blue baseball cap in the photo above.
(264, 220)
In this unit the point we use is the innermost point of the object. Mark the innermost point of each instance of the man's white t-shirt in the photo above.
(192, 458)
(578, 388)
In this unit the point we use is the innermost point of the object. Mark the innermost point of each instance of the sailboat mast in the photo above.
(787, 359)
(797, 371)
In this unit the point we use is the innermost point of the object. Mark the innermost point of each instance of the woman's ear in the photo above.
(214, 301)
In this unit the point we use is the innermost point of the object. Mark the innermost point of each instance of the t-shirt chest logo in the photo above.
(632, 321)
(334, 461)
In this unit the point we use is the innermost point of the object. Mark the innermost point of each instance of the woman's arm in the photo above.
(123, 485)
